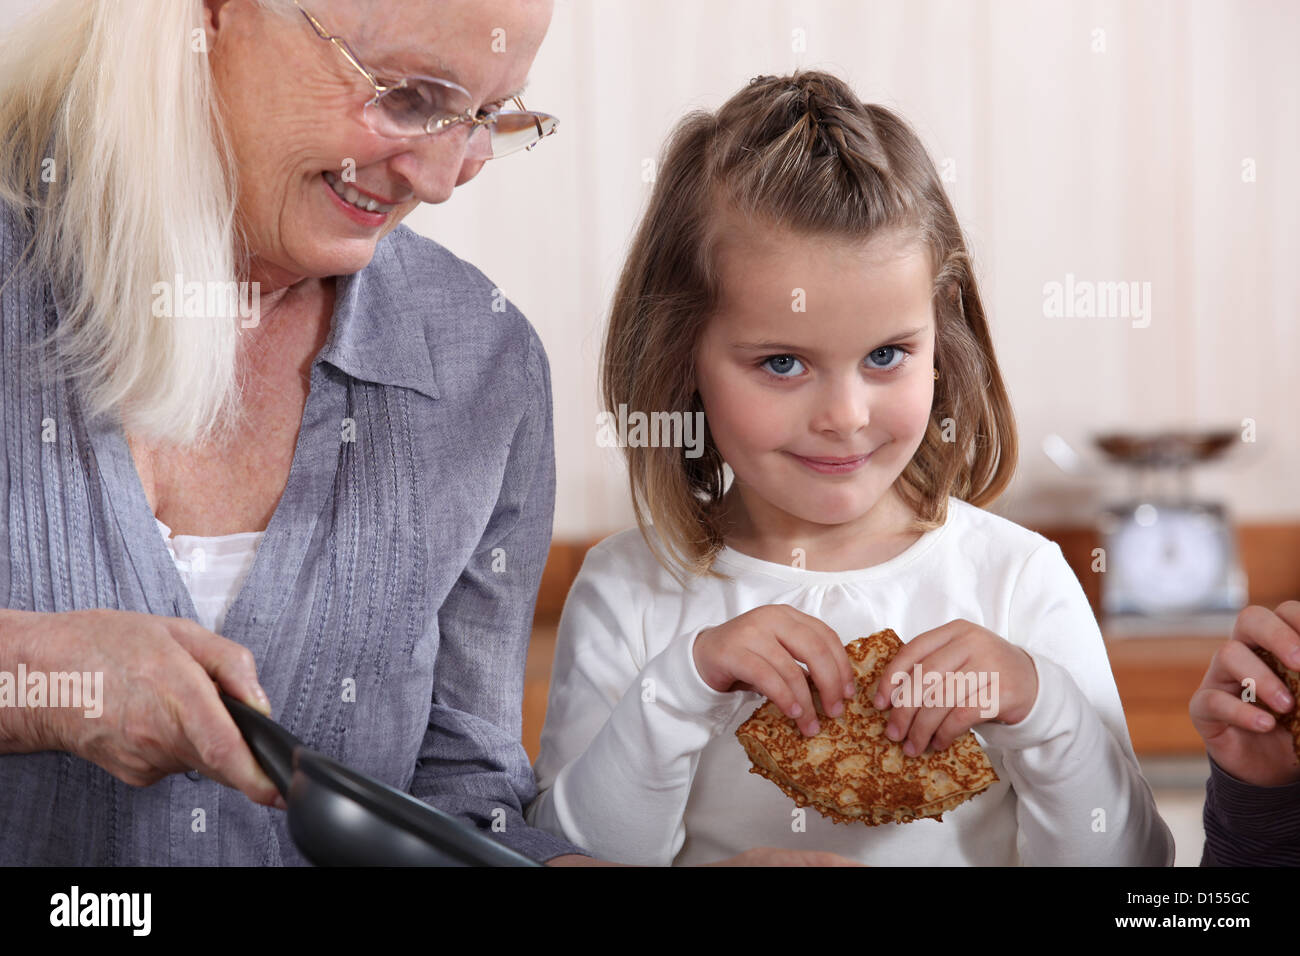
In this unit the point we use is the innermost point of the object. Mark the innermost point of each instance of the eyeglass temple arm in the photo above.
(342, 46)
(536, 122)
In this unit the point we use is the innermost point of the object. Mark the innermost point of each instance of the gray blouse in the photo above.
(390, 603)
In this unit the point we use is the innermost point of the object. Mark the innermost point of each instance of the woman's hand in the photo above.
(160, 709)
(1242, 737)
(958, 647)
(760, 650)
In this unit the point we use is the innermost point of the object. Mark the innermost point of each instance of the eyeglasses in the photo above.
(425, 105)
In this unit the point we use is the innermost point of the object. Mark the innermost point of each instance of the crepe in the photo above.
(1290, 720)
(850, 772)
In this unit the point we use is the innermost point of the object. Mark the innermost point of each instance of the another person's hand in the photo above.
(1242, 737)
(958, 647)
(760, 651)
(161, 713)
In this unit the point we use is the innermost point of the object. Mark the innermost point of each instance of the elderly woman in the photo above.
(345, 469)
(238, 399)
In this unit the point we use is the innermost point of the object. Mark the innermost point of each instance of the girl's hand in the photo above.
(759, 651)
(1242, 737)
(961, 647)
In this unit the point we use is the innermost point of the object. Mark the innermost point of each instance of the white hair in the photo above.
(110, 136)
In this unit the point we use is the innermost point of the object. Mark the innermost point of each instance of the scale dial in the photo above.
(1170, 559)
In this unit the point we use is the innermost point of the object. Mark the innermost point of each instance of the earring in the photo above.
(936, 375)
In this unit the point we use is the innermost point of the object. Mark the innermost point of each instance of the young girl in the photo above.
(801, 280)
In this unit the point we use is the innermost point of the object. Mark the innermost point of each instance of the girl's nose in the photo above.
(843, 409)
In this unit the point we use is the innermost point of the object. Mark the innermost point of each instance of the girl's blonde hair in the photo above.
(799, 153)
(111, 148)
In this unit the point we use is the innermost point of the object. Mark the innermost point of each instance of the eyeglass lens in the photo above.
(406, 110)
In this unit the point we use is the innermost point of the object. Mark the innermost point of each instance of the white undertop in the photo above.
(213, 569)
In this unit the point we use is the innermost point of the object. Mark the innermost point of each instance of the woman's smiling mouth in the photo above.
(361, 209)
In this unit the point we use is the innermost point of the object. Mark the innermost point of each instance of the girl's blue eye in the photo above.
(885, 353)
(783, 365)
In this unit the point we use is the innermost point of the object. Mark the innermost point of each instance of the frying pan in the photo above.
(339, 817)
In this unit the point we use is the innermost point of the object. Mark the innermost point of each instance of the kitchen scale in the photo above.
(1171, 559)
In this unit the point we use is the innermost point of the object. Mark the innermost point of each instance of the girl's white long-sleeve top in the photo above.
(639, 761)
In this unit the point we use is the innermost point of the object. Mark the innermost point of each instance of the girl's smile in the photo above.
(832, 466)
(818, 410)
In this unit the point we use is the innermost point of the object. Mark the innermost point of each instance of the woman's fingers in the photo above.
(229, 664)
(161, 713)
(217, 749)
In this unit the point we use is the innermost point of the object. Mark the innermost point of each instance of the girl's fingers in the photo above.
(926, 722)
(835, 679)
(957, 722)
(915, 650)
(908, 699)
(773, 679)
(796, 681)
(821, 651)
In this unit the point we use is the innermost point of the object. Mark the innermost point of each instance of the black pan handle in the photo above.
(272, 745)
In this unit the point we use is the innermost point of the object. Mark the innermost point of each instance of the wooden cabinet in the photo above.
(1156, 677)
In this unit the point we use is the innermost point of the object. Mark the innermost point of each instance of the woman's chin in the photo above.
(338, 257)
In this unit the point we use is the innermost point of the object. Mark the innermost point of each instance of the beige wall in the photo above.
(1115, 165)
